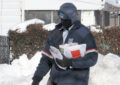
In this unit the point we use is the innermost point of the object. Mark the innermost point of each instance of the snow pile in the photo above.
(49, 27)
(94, 29)
(22, 26)
(20, 72)
(105, 72)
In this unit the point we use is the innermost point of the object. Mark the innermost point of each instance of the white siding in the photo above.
(10, 14)
(88, 18)
(55, 4)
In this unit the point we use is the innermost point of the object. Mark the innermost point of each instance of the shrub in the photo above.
(28, 42)
(34, 38)
(109, 40)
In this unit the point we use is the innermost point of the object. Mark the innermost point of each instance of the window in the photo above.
(44, 15)
(48, 16)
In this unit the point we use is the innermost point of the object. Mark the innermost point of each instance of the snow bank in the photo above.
(49, 27)
(22, 26)
(105, 72)
(20, 72)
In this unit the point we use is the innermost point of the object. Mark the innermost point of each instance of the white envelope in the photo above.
(56, 53)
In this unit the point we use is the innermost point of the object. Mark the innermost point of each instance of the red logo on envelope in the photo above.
(76, 54)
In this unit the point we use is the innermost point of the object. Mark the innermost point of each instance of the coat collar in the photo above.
(76, 25)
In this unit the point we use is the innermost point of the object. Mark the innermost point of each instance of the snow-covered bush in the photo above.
(108, 40)
(29, 41)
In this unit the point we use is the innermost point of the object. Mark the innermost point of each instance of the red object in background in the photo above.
(76, 54)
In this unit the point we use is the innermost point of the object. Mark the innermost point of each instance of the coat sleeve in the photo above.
(45, 63)
(91, 55)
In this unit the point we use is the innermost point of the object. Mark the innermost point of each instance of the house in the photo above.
(91, 12)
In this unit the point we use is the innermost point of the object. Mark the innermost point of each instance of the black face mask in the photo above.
(66, 23)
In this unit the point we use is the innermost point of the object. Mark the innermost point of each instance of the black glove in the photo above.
(61, 61)
(64, 63)
(35, 83)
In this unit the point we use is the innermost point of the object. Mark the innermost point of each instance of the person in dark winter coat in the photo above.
(68, 71)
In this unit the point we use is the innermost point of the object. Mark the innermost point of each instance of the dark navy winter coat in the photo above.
(79, 73)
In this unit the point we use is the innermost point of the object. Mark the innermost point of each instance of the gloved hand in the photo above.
(61, 60)
(65, 63)
(35, 83)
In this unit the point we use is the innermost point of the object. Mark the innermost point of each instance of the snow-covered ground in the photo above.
(106, 71)
(20, 72)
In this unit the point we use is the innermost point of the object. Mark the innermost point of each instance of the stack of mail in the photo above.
(71, 50)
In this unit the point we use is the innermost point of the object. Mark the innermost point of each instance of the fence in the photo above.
(4, 49)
